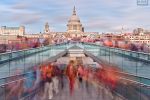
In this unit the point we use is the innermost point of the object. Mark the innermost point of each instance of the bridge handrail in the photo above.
(26, 52)
(6, 79)
(22, 50)
(2, 85)
(144, 53)
(104, 63)
(14, 75)
(137, 83)
(29, 49)
(52, 59)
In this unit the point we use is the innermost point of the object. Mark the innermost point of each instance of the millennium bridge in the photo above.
(133, 73)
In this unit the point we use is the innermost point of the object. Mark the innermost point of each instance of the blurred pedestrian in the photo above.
(48, 86)
(15, 88)
(55, 78)
(38, 77)
(80, 74)
(71, 73)
(30, 78)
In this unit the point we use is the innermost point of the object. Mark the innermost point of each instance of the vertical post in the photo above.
(100, 50)
(49, 52)
(0, 57)
(39, 54)
(105, 53)
(9, 61)
(148, 56)
(149, 52)
(109, 55)
(5, 93)
(122, 59)
(35, 55)
(136, 66)
(24, 60)
(42, 54)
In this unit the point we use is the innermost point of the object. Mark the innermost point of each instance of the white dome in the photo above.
(74, 18)
(74, 23)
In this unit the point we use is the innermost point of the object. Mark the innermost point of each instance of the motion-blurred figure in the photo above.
(71, 73)
(55, 78)
(30, 78)
(80, 73)
(108, 76)
(86, 78)
(15, 88)
(48, 86)
(37, 81)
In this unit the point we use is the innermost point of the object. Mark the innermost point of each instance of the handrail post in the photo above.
(10, 57)
(109, 55)
(24, 60)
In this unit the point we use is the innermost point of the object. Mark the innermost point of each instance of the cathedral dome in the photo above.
(74, 18)
(74, 24)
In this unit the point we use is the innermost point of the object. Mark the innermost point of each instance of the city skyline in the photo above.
(95, 15)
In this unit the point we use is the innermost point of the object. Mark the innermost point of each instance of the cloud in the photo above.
(95, 15)
(20, 6)
(27, 18)
(60, 19)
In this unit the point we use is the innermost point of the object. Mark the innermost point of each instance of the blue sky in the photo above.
(95, 15)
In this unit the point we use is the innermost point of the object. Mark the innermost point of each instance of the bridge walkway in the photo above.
(82, 91)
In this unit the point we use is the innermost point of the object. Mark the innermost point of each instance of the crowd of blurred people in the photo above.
(52, 78)
(105, 75)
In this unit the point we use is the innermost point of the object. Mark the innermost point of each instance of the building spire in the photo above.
(74, 11)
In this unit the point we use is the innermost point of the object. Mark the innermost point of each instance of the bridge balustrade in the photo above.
(24, 59)
(136, 63)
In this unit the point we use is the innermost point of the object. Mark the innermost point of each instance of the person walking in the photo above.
(71, 73)
(80, 73)
(55, 79)
(48, 86)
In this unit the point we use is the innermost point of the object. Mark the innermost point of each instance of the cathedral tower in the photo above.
(46, 30)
